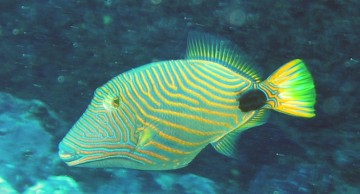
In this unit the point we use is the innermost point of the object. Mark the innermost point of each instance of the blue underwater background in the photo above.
(55, 53)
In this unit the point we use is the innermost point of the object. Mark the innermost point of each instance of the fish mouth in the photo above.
(68, 154)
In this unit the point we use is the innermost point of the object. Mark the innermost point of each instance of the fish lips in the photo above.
(67, 154)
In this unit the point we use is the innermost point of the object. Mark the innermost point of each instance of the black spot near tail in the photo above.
(252, 100)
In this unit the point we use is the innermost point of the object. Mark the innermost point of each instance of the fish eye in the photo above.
(115, 102)
(111, 102)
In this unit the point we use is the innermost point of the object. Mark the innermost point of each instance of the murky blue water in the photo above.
(59, 52)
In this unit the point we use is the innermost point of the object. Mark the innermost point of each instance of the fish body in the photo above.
(161, 115)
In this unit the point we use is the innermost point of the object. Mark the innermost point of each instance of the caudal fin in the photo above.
(291, 90)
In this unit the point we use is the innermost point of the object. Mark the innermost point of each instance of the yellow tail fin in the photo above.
(291, 90)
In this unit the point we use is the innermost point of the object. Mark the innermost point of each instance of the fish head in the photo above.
(98, 135)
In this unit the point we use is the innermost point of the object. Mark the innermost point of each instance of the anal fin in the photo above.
(226, 145)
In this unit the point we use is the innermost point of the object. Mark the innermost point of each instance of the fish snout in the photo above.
(68, 154)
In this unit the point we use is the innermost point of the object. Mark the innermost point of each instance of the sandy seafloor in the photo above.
(54, 54)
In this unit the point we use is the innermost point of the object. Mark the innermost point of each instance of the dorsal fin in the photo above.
(207, 47)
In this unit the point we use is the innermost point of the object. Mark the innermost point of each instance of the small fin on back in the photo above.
(203, 46)
(227, 144)
(291, 90)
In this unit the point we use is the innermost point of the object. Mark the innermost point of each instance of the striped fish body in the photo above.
(161, 115)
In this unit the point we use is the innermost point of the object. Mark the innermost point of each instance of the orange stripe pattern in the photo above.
(158, 116)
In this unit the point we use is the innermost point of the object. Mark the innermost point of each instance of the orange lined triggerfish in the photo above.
(161, 115)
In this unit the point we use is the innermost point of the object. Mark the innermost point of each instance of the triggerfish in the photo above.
(159, 116)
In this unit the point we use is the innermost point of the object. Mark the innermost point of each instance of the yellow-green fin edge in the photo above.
(291, 90)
